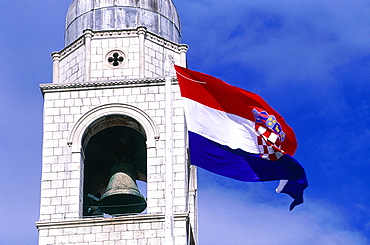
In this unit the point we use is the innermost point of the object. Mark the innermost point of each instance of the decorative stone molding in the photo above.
(122, 33)
(72, 47)
(56, 62)
(88, 36)
(142, 33)
(88, 119)
(127, 219)
(50, 87)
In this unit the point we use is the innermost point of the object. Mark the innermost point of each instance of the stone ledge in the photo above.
(52, 87)
(121, 33)
(127, 219)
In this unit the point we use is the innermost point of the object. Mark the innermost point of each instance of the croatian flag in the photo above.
(235, 133)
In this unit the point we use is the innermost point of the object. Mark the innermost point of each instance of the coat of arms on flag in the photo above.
(270, 135)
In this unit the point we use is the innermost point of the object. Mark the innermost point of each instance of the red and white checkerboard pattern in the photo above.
(269, 143)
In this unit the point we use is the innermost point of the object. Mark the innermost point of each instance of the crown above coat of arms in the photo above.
(262, 117)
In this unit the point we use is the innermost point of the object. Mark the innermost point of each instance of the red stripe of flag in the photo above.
(217, 94)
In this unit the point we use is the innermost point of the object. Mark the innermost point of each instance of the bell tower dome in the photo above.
(158, 16)
(115, 168)
(118, 39)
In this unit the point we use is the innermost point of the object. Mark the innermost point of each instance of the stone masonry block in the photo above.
(62, 192)
(107, 73)
(99, 229)
(178, 151)
(138, 234)
(150, 233)
(50, 128)
(47, 210)
(154, 241)
(45, 201)
(120, 242)
(178, 168)
(90, 237)
(117, 73)
(64, 111)
(56, 184)
(131, 99)
(59, 103)
(103, 236)
(128, 234)
(157, 194)
(46, 240)
(143, 106)
(180, 176)
(154, 105)
(86, 101)
(113, 99)
(141, 98)
(52, 112)
(49, 176)
(76, 110)
(72, 183)
(157, 225)
(67, 200)
(127, 72)
(120, 227)
(49, 104)
(59, 208)
(62, 240)
(108, 92)
(161, 202)
(107, 228)
(132, 242)
(52, 96)
(63, 175)
(179, 144)
(145, 226)
(57, 167)
(179, 192)
(132, 227)
(75, 191)
(73, 208)
(48, 119)
(104, 100)
(76, 238)
(58, 118)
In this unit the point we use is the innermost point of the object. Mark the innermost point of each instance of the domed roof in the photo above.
(158, 16)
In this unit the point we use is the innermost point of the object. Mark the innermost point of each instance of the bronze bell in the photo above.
(122, 195)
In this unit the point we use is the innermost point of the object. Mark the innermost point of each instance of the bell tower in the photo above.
(115, 168)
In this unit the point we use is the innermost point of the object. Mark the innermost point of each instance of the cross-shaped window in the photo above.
(116, 59)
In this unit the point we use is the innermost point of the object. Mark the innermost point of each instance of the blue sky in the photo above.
(309, 59)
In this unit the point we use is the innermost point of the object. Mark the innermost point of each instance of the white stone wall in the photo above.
(62, 170)
(145, 230)
(72, 66)
(62, 176)
(80, 58)
(83, 84)
(100, 68)
(155, 55)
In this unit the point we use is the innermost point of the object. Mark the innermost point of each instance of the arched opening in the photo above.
(111, 145)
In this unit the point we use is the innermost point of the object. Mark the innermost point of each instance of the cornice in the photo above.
(122, 33)
(71, 48)
(59, 87)
(126, 219)
(168, 44)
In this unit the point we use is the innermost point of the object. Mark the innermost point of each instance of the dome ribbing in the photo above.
(158, 16)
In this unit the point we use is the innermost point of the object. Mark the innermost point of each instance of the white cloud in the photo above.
(231, 216)
(286, 40)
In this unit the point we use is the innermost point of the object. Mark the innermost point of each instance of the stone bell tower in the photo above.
(113, 118)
